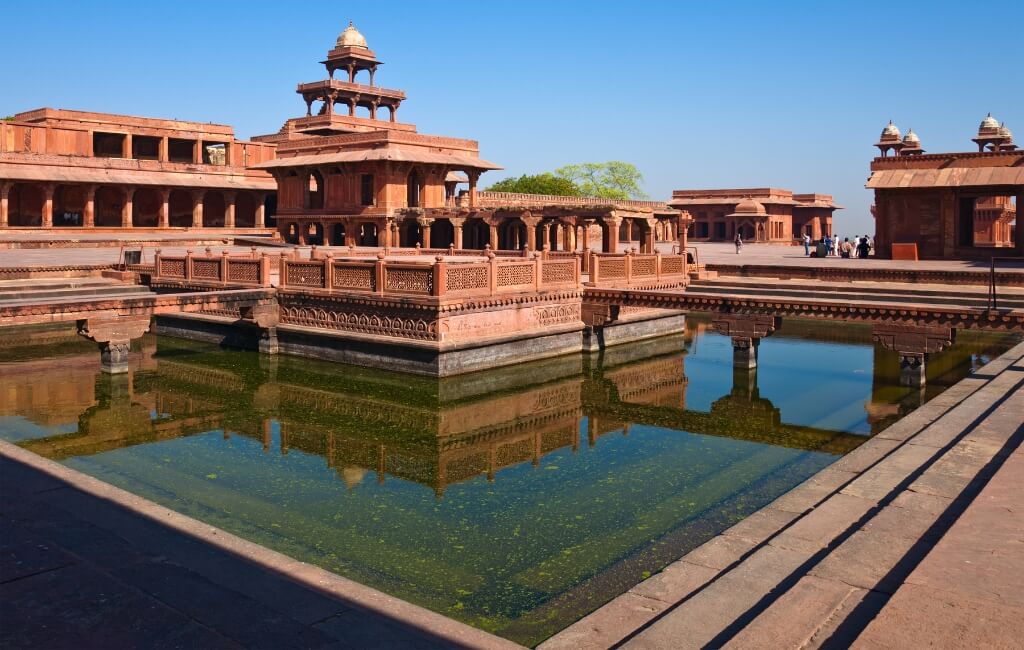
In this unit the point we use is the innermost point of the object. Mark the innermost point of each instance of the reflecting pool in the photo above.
(516, 500)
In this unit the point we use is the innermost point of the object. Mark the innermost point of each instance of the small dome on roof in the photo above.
(890, 132)
(911, 137)
(749, 206)
(351, 38)
(1005, 131)
(988, 124)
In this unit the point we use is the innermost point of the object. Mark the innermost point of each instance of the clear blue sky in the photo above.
(732, 94)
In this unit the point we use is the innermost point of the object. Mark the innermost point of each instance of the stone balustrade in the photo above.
(440, 278)
(224, 269)
(629, 269)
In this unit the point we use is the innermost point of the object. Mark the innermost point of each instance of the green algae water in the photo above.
(516, 500)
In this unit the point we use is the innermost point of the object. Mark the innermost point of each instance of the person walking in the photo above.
(739, 242)
(807, 245)
(828, 245)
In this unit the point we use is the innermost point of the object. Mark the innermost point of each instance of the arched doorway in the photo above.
(108, 204)
(409, 233)
(68, 206)
(213, 210)
(146, 204)
(746, 230)
(180, 208)
(291, 234)
(338, 234)
(475, 234)
(367, 234)
(512, 235)
(25, 205)
(442, 233)
(245, 210)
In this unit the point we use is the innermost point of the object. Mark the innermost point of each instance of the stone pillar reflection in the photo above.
(744, 352)
(912, 369)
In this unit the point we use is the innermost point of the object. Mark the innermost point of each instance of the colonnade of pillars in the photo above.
(128, 193)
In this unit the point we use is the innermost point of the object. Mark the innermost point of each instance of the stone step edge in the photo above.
(459, 634)
(640, 610)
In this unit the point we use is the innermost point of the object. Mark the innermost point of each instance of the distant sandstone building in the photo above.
(763, 214)
(75, 169)
(948, 205)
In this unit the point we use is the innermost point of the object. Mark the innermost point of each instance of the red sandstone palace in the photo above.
(948, 205)
(765, 214)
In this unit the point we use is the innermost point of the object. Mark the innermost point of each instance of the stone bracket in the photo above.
(747, 326)
(913, 339)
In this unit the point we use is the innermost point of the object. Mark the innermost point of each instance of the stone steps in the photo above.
(1008, 300)
(815, 566)
(37, 295)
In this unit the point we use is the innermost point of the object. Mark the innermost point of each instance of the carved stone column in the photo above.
(197, 208)
(48, 190)
(89, 211)
(531, 230)
(165, 208)
(647, 245)
(5, 191)
(425, 232)
(683, 224)
(261, 210)
(457, 225)
(229, 209)
(612, 223)
(114, 335)
(746, 331)
(126, 209)
(913, 344)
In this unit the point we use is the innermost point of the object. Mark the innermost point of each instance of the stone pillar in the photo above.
(474, 176)
(5, 191)
(457, 225)
(746, 331)
(114, 335)
(425, 232)
(266, 317)
(913, 344)
(165, 208)
(585, 236)
(531, 230)
(48, 191)
(647, 246)
(161, 152)
(229, 209)
(545, 237)
(681, 233)
(744, 352)
(197, 152)
(261, 210)
(613, 234)
(493, 236)
(197, 208)
(126, 209)
(127, 151)
(89, 211)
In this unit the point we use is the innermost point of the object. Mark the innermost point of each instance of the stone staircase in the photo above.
(960, 296)
(853, 549)
(38, 291)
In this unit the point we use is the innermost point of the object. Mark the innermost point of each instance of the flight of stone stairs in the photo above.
(879, 292)
(41, 291)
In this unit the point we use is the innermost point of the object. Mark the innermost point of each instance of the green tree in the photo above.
(609, 180)
(546, 183)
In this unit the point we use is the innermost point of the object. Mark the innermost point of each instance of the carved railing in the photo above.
(248, 270)
(629, 268)
(439, 278)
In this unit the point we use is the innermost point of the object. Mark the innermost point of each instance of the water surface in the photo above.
(516, 500)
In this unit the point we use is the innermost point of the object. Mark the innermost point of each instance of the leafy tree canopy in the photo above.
(610, 180)
(546, 183)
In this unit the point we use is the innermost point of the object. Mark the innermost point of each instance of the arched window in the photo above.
(316, 191)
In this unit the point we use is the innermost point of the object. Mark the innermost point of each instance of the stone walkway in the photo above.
(916, 538)
(85, 565)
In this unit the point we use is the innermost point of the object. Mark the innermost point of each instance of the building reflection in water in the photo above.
(432, 432)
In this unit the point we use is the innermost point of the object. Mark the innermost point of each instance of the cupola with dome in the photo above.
(994, 136)
(889, 140)
(911, 144)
